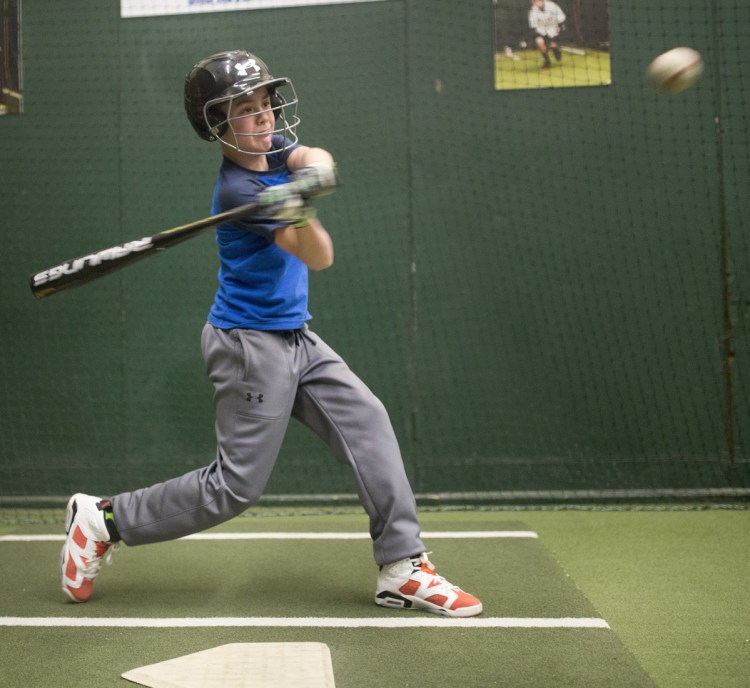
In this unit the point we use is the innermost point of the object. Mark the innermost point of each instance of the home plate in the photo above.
(243, 665)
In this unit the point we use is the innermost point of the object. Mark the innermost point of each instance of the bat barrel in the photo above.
(83, 269)
(86, 268)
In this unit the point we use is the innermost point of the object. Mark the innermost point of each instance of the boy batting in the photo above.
(266, 365)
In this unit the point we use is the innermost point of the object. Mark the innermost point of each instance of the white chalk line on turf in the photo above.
(303, 622)
(442, 534)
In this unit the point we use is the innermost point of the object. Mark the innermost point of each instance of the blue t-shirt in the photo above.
(261, 287)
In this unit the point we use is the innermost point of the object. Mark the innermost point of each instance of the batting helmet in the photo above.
(220, 78)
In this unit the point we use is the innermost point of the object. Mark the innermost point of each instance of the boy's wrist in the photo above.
(308, 213)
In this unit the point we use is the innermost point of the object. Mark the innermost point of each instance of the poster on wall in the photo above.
(155, 8)
(551, 44)
(11, 99)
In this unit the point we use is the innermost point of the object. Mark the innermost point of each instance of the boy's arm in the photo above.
(302, 156)
(310, 242)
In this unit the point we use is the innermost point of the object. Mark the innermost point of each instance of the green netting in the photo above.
(547, 283)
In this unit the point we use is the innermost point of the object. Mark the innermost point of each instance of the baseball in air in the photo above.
(675, 70)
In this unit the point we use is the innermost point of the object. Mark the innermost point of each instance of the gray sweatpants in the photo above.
(261, 379)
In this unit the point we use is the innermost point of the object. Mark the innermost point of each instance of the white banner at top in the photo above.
(157, 8)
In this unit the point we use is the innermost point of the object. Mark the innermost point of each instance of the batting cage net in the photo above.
(542, 261)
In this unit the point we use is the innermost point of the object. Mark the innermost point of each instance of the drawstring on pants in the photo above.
(299, 337)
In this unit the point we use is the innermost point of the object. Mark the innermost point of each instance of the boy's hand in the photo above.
(315, 179)
(285, 204)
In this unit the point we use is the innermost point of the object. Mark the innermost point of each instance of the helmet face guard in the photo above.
(216, 82)
(216, 114)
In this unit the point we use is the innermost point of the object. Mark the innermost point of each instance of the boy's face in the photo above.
(251, 123)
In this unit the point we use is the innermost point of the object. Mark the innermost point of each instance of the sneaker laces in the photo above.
(91, 570)
(428, 567)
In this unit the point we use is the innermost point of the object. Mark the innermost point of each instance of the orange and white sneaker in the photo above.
(412, 583)
(87, 545)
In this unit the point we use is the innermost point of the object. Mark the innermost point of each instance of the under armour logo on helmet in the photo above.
(250, 64)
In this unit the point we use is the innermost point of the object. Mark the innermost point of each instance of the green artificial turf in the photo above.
(671, 585)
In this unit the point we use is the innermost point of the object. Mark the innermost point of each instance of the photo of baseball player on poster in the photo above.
(11, 100)
(551, 44)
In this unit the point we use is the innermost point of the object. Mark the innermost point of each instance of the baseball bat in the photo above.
(77, 271)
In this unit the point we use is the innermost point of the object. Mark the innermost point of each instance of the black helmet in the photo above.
(220, 78)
